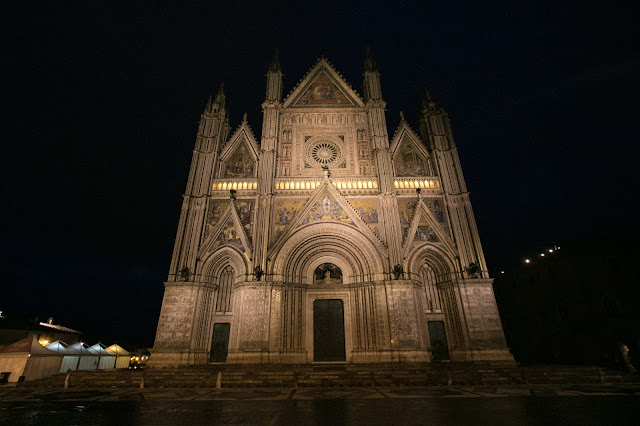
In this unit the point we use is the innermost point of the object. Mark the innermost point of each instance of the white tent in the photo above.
(70, 357)
(107, 359)
(122, 355)
(89, 358)
(28, 358)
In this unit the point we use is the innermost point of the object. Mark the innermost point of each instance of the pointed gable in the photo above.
(410, 157)
(240, 154)
(425, 228)
(323, 86)
(229, 226)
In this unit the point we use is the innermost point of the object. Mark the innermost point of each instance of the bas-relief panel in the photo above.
(323, 91)
(326, 209)
(240, 164)
(368, 211)
(409, 162)
(174, 327)
(285, 211)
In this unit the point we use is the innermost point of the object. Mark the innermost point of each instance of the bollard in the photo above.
(67, 379)
(373, 379)
(219, 380)
(449, 379)
(144, 376)
(295, 380)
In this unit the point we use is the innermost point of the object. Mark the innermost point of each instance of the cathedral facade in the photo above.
(326, 239)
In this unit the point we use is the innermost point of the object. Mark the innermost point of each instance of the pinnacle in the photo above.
(275, 62)
(369, 63)
(220, 97)
(244, 118)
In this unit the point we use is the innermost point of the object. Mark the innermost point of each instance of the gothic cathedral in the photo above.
(326, 240)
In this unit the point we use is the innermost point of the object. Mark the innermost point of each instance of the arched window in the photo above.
(428, 276)
(225, 287)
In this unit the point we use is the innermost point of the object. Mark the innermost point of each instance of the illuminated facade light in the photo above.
(550, 250)
(541, 254)
(527, 261)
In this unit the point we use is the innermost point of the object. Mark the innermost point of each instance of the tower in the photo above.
(327, 240)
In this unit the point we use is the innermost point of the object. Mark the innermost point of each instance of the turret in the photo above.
(274, 80)
(371, 83)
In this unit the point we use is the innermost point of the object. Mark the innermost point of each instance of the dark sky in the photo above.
(101, 103)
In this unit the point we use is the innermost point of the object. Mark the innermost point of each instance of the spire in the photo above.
(208, 106)
(369, 63)
(275, 62)
(274, 79)
(220, 97)
(427, 102)
(371, 84)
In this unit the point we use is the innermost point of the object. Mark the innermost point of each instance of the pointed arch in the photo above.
(439, 260)
(214, 263)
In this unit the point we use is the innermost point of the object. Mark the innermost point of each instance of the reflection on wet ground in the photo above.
(428, 405)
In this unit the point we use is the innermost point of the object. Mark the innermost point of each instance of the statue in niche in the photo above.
(327, 273)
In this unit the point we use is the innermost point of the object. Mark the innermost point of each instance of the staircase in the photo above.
(318, 376)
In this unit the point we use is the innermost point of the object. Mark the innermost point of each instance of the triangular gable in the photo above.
(239, 156)
(426, 229)
(404, 133)
(410, 157)
(327, 204)
(228, 229)
(323, 86)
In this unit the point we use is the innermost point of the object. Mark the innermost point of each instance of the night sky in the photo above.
(101, 104)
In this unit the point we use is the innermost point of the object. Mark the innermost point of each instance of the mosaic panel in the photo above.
(240, 164)
(326, 209)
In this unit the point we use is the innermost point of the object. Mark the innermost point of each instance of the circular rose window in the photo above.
(324, 152)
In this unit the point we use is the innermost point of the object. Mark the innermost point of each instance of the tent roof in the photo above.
(101, 349)
(117, 350)
(62, 348)
(28, 345)
(83, 349)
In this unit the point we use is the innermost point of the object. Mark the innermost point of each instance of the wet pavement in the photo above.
(479, 405)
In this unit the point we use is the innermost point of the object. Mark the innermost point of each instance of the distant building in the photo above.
(326, 239)
(12, 330)
(576, 305)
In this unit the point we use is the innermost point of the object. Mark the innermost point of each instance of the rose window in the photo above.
(324, 153)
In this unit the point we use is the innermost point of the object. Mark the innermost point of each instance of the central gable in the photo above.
(323, 86)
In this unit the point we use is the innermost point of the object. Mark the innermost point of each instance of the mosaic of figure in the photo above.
(410, 163)
(424, 234)
(406, 208)
(245, 207)
(216, 209)
(323, 91)
(240, 164)
(326, 209)
(368, 211)
(285, 211)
